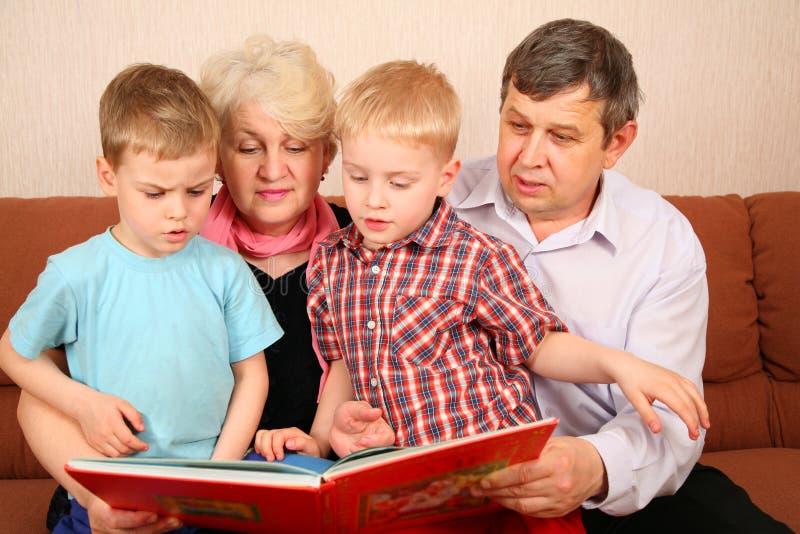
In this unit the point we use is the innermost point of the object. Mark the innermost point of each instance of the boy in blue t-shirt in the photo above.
(163, 330)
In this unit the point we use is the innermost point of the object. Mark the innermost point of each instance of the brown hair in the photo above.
(156, 109)
(565, 54)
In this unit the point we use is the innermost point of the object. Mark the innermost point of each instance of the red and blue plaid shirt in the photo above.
(434, 329)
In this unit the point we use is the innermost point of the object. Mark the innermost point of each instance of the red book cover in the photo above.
(370, 491)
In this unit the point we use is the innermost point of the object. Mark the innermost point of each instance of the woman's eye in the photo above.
(150, 194)
(197, 192)
(248, 150)
(295, 149)
(401, 185)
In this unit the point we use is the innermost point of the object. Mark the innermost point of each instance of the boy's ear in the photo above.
(448, 177)
(106, 176)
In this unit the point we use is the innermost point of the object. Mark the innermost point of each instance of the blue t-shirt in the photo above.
(160, 333)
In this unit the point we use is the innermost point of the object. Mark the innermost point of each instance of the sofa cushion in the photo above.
(16, 458)
(776, 261)
(24, 505)
(742, 415)
(753, 469)
(723, 226)
(65, 221)
(722, 223)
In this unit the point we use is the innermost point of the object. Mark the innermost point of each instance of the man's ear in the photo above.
(106, 176)
(448, 177)
(619, 143)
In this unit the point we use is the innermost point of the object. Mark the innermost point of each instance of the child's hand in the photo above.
(271, 443)
(109, 423)
(356, 426)
(643, 383)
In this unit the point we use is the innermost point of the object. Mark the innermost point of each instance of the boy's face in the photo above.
(390, 188)
(162, 204)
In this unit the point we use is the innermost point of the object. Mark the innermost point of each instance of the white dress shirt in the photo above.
(632, 275)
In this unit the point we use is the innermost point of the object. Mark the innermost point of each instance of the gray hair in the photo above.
(564, 54)
(284, 78)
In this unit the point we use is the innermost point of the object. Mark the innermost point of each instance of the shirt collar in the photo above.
(436, 232)
(601, 220)
(487, 191)
(603, 217)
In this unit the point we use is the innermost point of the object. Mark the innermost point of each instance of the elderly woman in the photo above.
(275, 104)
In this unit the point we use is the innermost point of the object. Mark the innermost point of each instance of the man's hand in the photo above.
(356, 426)
(568, 472)
(106, 520)
(107, 423)
(271, 443)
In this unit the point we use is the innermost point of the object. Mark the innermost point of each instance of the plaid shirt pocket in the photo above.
(424, 327)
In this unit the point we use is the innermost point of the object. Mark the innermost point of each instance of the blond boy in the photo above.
(431, 322)
(163, 330)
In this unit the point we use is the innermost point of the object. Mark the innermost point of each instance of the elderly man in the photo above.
(621, 267)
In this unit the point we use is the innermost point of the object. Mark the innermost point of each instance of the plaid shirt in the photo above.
(434, 329)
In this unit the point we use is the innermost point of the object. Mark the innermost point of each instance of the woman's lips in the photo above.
(273, 195)
(376, 225)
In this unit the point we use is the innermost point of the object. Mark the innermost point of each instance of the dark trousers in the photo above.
(708, 502)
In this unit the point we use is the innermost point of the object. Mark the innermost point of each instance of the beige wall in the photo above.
(721, 77)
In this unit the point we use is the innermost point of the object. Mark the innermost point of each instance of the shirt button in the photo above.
(373, 382)
(371, 325)
(375, 269)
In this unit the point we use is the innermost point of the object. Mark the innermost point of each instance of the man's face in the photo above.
(550, 156)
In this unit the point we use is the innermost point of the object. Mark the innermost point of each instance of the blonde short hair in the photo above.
(404, 101)
(156, 109)
(284, 78)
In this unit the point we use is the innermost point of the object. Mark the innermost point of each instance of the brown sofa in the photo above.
(751, 373)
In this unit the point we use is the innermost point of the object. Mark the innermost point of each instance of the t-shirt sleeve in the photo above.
(49, 316)
(249, 319)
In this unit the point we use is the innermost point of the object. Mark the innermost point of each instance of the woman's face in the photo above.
(271, 176)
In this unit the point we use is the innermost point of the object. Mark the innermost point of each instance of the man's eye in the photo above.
(561, 138)
(519, 126)
(150, 194)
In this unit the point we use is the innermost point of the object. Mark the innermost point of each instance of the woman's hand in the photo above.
(356, 426)
(271, 443)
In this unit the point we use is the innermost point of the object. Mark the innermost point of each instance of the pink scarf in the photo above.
(224, 227)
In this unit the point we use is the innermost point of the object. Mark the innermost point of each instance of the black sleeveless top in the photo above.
(294, 370)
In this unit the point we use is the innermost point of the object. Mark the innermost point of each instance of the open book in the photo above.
(367, 491)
